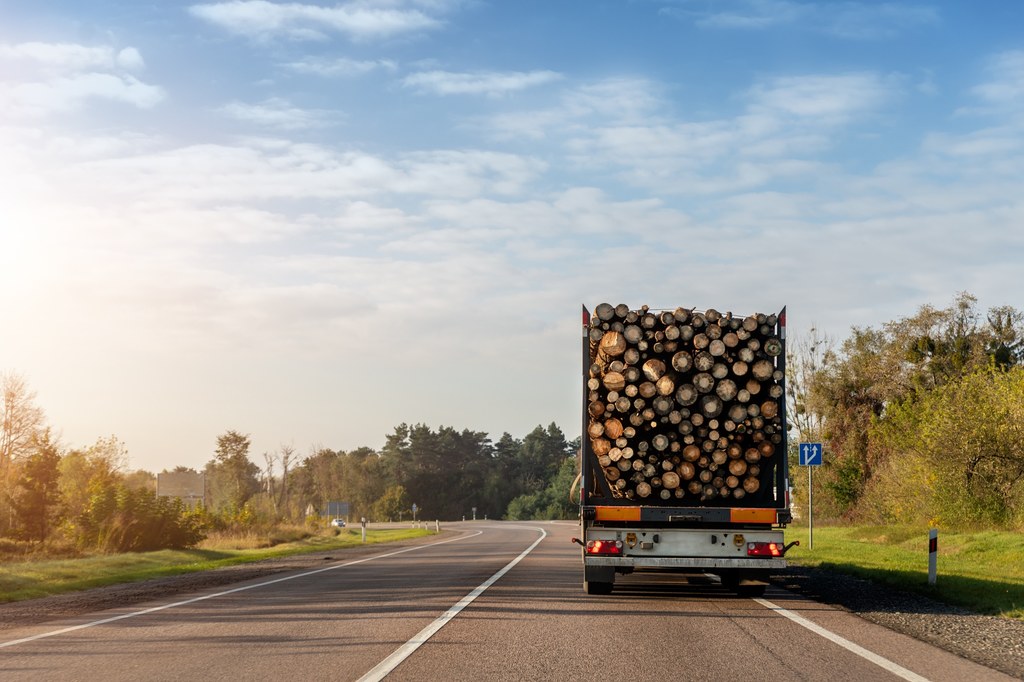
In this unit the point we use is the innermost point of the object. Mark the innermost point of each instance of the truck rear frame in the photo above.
(741, 544)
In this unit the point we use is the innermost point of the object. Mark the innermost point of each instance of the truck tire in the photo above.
(592, 587)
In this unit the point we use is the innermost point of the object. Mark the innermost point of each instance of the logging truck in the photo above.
(683, 461)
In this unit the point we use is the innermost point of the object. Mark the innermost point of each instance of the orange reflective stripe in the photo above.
(752, 515)
(617, 513)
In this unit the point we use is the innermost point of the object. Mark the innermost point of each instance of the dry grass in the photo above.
(263, 538)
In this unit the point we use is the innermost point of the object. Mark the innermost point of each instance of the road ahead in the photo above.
(485, 601)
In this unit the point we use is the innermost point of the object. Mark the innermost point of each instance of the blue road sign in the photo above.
(811, 454)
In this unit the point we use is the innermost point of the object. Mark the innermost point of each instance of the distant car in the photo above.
(338, 523)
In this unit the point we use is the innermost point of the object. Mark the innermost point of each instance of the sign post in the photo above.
(811, 455)
(414, 510)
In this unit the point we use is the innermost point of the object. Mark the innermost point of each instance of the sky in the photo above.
(311, 222)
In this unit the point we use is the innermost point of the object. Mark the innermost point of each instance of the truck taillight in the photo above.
(606, 547)
(764, 549)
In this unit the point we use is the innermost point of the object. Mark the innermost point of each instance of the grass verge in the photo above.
(982, 570)
(32, 579)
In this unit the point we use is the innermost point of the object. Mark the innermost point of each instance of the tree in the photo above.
(285, 456)
(231, 477)
(806, 357)
(392, 504)
(553, 501)
(20, 422)
(37, 505)
(960, 453)
(141, 478)
(444, 472)
(83, 472)
(541, 455)
(1006, 345)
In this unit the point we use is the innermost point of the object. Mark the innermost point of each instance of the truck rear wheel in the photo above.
(592, 587)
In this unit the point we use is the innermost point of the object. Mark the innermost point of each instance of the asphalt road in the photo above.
(485, 601)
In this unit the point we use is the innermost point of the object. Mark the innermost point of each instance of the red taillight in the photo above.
(613, 547)
(764, 549)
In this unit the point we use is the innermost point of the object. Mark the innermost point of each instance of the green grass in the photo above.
(31, 579)
(982, 571)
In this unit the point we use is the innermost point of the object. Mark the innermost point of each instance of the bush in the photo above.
(120, 519)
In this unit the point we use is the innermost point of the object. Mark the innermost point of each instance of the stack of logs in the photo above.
(684, 405)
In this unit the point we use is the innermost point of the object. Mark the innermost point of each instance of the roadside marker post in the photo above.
(933, 553)
(811, 455)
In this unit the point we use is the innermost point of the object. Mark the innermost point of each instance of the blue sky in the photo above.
(311, 222)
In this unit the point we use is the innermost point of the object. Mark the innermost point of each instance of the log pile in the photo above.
(684, 406)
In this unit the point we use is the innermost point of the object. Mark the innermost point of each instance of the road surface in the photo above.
(483, 601)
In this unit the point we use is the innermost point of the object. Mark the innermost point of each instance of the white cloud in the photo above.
(1006, 85)
(276, 113)
(872, 21)
(623, 126)
(130, 59)
(56, 58)
(755, 14)
(612, 101)
(824, 98)
(267, 170)
(60, 57)
(60, 77)
(71, 92)
(360, 20)
(467, 173)
(341, 66)
(484, 83)
(850, 20)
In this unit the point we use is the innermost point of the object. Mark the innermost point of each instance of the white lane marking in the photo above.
(382, 669)
(154, 609)
(894, 668)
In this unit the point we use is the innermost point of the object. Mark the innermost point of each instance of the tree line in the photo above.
(85, 499)
(922, 418)
(445, 472)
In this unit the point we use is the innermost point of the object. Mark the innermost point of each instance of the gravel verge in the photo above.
(994, 642)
